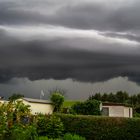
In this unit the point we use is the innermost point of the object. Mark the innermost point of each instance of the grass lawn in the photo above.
(69, 103)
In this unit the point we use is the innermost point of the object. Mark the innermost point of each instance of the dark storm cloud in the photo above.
(40, 59)
(106, 16)
(87, 59)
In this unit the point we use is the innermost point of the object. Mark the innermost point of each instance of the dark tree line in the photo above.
(118, 97)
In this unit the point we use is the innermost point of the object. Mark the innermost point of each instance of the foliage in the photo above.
(50, 126)
(69, 136)
(54, 127)
(137, 109)
(42, 121)
(57, 99)
(89, 107)
(136, 115)
(119, 97)
(102, 128)
(23, 132)
(14, 122)
(15, 96)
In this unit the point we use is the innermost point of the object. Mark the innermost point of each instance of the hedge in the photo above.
(102, 128)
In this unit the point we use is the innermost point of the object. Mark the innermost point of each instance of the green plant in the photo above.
(89, 107)
(15, 122)
(42, 121)
(54, 127)
(43, 138)
(57, 98)
(101, 128)
(69, 136)
(15, 96)
(46, 138)
(21, 132)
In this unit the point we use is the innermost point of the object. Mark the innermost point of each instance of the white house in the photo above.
(116, 110)
(3, 101)
(39, 106)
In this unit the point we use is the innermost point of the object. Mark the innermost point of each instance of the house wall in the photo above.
(116, 111)
(120, 111)
(40, 108)
(128, 112)
(3, 101)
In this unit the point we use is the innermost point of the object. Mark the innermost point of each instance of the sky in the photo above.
(82, 46)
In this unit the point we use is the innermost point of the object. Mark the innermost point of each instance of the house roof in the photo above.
(37, 101)
(114, 104)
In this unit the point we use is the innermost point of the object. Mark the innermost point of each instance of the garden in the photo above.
(82, 122)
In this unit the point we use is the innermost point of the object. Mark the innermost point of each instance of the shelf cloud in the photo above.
(86, 41)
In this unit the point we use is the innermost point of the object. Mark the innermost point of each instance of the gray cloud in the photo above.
(124, 36)
(106, 16)
(40, 59)
(97, 41)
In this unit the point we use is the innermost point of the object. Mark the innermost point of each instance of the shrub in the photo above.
(42, 121)
(21, 132)
(43, 138)
(14, 122)
(50, 126)
(54, 127)
(46, 138)
(89, 107)
(102, 128)
(57, 98)
(69, 136)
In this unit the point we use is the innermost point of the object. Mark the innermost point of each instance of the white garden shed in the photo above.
(39, 106)
(116, 110)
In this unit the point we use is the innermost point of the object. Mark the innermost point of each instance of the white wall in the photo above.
(3, 101)
(119, 111)
(40, 108)
(126, 112)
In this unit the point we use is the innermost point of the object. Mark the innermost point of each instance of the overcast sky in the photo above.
(78, 45)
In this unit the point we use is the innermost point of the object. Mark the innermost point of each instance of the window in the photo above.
(105, 111)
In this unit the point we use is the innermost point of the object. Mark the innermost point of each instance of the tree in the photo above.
(112, 98)
(97, 96)
(15, 96)
(57, 98)
(122, 97)
(89, 107)
(105, 97)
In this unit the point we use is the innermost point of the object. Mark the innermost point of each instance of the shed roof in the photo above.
(114, 104)
(37, 101)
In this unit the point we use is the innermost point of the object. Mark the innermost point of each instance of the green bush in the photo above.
(54, 127)
(50, 126)
(43, 138)
(89, 107)
(22, 132)
(42, 121)
(15, 122)
(69, 136)
(57, 99)
(102, 128)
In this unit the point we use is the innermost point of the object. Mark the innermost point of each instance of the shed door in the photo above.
(105, 111)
